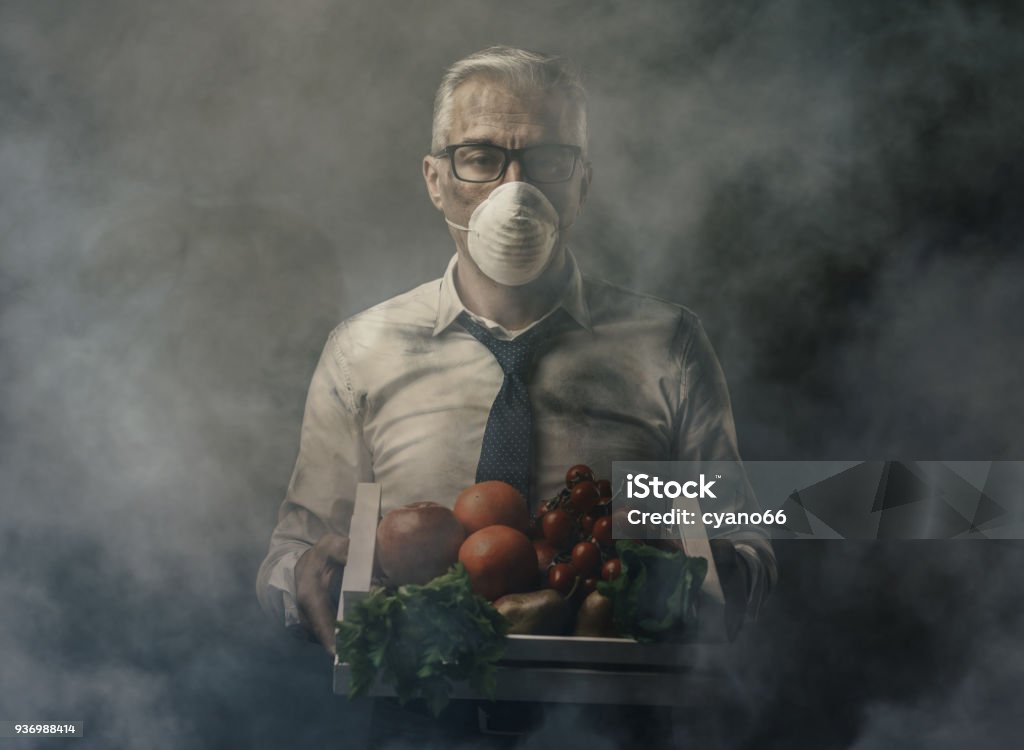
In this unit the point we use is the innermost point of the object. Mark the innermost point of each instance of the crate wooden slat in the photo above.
(563, 650)
(560, 669)
(355, 581)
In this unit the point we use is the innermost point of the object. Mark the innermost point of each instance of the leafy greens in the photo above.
(655, 596)
(421, 638)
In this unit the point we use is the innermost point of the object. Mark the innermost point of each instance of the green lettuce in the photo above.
(419, 639)
(655, 597)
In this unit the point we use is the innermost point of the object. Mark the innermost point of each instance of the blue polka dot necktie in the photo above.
(507, 450)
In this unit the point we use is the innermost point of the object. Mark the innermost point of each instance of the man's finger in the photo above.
(314, 574)
(732, 576)
(320, 618)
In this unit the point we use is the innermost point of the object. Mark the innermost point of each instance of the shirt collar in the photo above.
(572, 299)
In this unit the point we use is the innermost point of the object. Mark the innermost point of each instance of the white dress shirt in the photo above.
(402, 393)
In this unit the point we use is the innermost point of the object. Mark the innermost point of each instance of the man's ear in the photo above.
(432, 178)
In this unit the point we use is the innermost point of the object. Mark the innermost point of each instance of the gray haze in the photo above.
(192, 194)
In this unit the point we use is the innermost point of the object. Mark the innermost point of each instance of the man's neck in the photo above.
(512, 307)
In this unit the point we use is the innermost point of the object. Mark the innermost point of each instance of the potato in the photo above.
(542, 612)
(595, 617)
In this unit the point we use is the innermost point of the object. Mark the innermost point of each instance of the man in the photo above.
(416, 394)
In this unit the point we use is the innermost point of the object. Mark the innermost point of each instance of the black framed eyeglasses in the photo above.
(485, 162)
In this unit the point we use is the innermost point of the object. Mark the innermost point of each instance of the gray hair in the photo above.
(520, 70)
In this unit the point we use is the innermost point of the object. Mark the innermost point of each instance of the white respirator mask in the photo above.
(512, 233)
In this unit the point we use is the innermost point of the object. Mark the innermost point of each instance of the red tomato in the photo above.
(611, 569)
(557, 527)
(586, 558)
(604, 488)
(499, 560)
(418, 542)
(584, 496)
(578, 473)
(489, 504)
(602, 531)
(561, 578)
(589, 585)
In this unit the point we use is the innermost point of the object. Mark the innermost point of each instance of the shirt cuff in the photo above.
(281, 585)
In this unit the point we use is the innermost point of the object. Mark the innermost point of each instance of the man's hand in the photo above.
(317, 578)
(732, 574)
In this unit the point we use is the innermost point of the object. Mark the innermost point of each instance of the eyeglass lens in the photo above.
(484, 163)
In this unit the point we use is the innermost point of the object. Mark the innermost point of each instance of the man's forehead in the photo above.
(485, 104)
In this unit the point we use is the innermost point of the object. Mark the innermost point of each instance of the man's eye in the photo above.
(480, 158)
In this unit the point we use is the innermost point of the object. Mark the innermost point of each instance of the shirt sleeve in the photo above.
(705, 431)
(332, 460)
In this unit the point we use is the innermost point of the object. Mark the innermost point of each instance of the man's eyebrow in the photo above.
(489, 142)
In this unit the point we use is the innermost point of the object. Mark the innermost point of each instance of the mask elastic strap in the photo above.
(457, 226)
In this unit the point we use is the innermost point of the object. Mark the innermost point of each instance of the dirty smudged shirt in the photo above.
(402, 393)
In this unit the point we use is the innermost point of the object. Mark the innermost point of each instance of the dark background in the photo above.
(192, 194)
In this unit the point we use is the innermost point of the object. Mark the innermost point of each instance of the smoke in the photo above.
(192, 194)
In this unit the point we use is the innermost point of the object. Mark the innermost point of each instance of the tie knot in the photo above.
(515, 356)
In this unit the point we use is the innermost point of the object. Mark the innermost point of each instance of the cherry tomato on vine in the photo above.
(546, 554)
(561, 578)
(602, 531)
(611, 570)
(578, 473)
(557, 527)
(584, 496)
(586, 558)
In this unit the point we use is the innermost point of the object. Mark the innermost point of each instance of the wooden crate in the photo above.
(562, 669)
